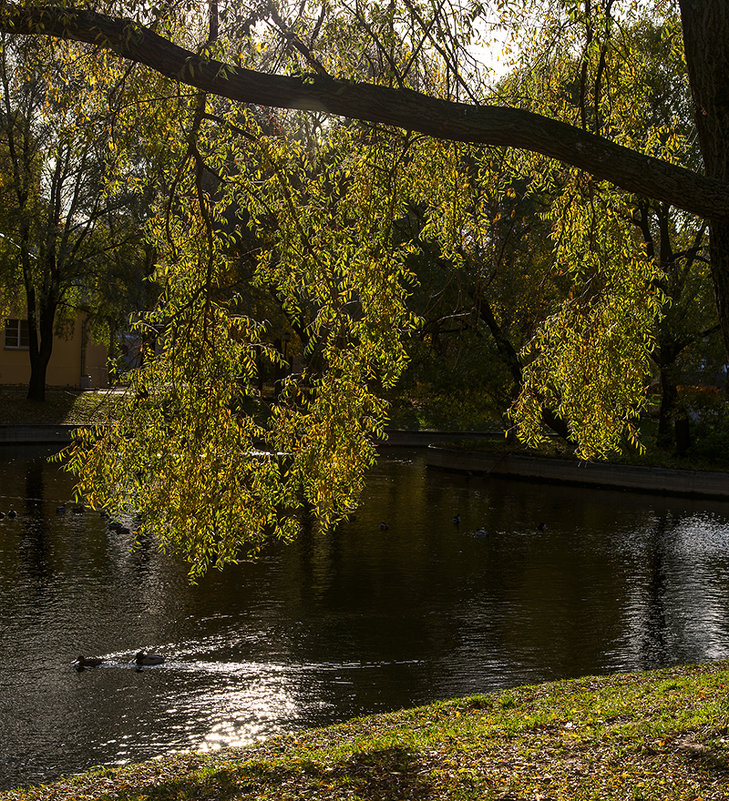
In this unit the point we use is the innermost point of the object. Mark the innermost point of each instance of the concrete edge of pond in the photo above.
(64, 433)
(665, 481)
(402, 438)
(660, 480)
(61, 433)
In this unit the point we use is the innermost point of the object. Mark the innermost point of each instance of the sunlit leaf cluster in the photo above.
(200, 457)
(590, 360)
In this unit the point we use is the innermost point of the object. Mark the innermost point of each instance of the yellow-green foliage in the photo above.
(311, 205)
(195, 456)
(589, 361)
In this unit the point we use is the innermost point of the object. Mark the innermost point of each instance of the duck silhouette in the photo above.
(118, 527)
(143, 658)
(12, 514)
(83, 662)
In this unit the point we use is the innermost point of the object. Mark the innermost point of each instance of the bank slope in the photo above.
(655, 735)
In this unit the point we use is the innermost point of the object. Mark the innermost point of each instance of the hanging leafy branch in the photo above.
(308, 207)
(400, 107)
(208, 465)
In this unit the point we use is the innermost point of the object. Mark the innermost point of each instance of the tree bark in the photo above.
(404, 108)
(706, 43)
(40, 335)
(511, 359)
(669, 401)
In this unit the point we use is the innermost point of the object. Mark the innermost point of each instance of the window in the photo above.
(16, 334)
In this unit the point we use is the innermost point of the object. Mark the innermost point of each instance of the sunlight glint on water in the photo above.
(327, 628)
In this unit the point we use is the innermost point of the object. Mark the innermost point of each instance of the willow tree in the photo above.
(135, 37)
(209, 465)
(632, 261)
(322, 204)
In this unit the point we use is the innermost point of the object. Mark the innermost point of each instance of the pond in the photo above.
(566, 582)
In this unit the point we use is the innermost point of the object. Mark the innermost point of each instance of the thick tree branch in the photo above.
(404, 108)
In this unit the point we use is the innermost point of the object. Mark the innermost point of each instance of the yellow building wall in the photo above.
(64, 368)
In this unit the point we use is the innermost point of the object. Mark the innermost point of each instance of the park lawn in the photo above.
(655, 735)
(61, 407)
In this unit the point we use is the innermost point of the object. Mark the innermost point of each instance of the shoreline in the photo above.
(660, 731)
(679, 482)
(711, 485)
(41, 434)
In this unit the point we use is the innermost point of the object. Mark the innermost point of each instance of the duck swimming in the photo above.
(118, 528)
(143, 658)
(83, 662)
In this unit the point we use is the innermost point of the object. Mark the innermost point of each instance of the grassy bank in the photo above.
(657, 735)
(61, 406)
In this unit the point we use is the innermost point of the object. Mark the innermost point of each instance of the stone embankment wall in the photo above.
(689, 483)
(26, 435)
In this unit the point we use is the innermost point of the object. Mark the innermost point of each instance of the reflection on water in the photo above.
(335, 626)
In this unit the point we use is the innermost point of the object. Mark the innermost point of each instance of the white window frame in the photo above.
(18, 328)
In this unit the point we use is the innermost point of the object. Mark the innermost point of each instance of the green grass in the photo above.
(657, 735)
(59, 407)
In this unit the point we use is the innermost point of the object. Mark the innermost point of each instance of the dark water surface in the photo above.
(336, 626)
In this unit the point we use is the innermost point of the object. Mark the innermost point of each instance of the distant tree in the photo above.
(485, 277)
(62, 227)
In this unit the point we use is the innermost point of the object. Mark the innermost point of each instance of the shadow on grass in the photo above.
(703, 755)
(378, 775)
(384, 774)
(710, 760)
(61, 406)
(716, 763)
(219, 785)
(16, 409)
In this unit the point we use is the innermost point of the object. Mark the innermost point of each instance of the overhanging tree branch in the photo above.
(403, 108)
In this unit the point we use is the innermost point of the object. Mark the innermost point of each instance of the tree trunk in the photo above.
(706, 43)
(669, 401)
(719, 253)
(40, 336)
(503, 345)
(37, 383)
(511, 358)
